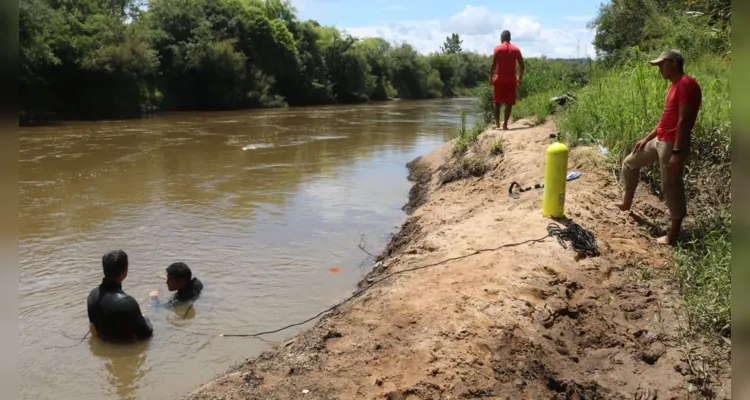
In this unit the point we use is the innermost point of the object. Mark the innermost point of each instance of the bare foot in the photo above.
(505, 127)
(664, 241)
(622, 206)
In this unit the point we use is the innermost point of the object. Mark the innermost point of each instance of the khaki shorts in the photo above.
(672, 184)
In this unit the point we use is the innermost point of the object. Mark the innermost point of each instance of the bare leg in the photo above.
(497, 115)
(627, 201)
(671, 237)
(630, 177)
(508, 108)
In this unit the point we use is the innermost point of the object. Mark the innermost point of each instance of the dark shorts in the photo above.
(504, 92)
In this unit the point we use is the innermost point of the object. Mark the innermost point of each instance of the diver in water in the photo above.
(114, 315)
(180, 279)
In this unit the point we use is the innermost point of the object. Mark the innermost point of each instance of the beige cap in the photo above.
(672, 54)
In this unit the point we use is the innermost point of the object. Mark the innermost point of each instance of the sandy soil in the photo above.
(533, 321)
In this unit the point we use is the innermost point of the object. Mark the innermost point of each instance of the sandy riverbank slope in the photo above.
(525, 322)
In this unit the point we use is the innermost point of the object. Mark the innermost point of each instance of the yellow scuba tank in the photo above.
(555, 178)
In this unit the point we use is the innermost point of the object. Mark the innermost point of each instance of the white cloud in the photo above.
(480, 29)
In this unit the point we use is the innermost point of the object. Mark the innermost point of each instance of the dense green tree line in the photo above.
(119, 58)
(699, 28)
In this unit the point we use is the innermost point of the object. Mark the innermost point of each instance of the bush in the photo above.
(497, 147)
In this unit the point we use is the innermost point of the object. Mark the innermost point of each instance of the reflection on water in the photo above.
(124, 365)
(260, 204)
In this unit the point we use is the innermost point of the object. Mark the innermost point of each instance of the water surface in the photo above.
(260, 204)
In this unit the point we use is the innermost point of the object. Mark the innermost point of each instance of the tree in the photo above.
(694, 26)
(114, 59)
(452, 44)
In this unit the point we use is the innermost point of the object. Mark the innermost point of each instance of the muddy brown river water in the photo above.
(260, 204)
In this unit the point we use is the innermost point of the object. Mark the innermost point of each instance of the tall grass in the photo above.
(705, 276)
(619, 107)
(466, 135)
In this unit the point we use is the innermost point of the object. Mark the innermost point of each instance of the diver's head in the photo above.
(115, 265)
(178, 276)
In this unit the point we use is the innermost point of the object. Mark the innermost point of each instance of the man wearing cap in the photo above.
(504, 59)
(668, 143)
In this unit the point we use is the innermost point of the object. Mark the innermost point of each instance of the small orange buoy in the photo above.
(334, 269)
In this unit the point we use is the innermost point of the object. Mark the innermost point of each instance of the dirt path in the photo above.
(525, 322)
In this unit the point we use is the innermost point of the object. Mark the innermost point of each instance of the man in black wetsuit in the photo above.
(116, 316)
(180, 279)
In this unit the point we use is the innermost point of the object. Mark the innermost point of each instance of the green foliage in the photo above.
(497, 147)
(466, 136)
(620, 106)
(623, 104)
(624, 101)
(704, 272)
(95, 59)
(697, 27)
(452, 44)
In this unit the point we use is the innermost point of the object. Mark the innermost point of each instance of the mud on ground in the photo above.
(528, 322)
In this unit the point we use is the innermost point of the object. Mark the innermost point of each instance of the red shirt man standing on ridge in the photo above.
(669, 142)
(503, 77)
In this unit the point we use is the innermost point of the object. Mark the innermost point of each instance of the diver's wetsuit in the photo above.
(190, 292)
(115, 315)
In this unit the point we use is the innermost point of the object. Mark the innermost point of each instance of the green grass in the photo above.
(619, 107)
(622, 105)
(537, 107)
(497, 147)
(703, 268)
(543, 79)
(466, 136)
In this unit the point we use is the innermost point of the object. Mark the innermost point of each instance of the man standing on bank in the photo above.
(503, 77)
(668, 143)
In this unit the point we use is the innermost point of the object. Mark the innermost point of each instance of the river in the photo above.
(261, 204)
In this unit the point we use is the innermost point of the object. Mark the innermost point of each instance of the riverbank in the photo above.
(529, 321)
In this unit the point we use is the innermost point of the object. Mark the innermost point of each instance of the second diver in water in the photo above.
(181, 280)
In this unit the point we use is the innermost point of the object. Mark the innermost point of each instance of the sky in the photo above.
(553, 28)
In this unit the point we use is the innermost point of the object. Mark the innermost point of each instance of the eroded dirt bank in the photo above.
(528, 322)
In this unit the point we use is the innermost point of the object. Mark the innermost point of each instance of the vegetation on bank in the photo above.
(113, 59)
(623, 102)
(619, 99)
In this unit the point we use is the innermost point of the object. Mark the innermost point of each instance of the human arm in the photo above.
(642, 143)
(139, 324)
(522, 68)
(493, 66)
(687, 115)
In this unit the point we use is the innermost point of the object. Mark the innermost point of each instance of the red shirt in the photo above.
(685, 91)
(506, 55)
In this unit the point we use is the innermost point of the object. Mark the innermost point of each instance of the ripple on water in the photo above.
(256, 146)
(259, 236)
